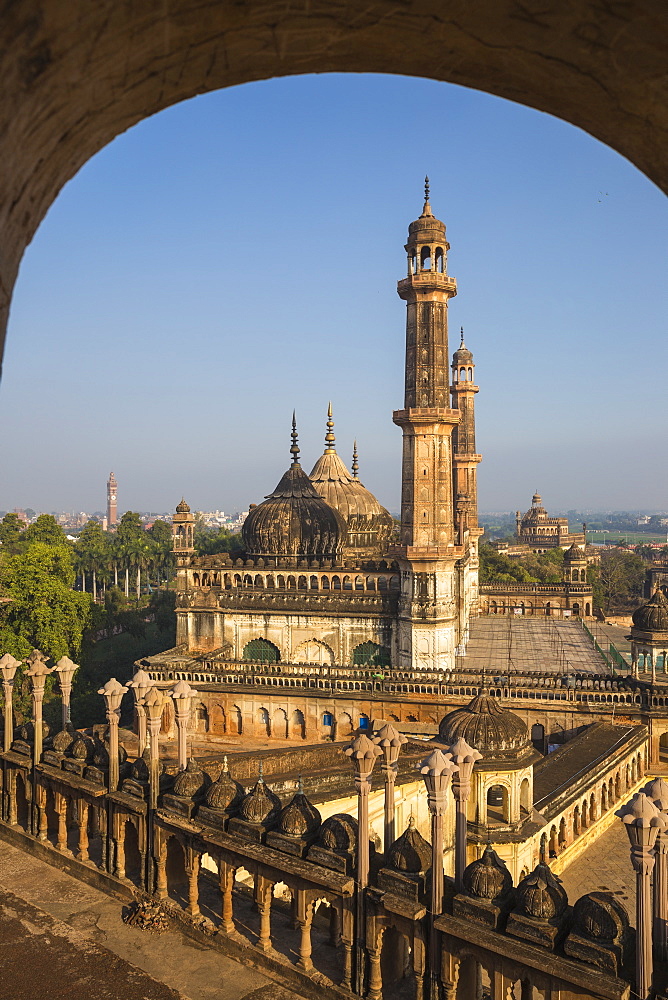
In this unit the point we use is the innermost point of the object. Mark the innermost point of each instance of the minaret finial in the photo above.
(300, 785)
(329, 436)
(426, 190)
(355, 462)
(462, 333)
(294, 447)
(260, 779)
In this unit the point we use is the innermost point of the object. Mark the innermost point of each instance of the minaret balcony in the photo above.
(427, 281)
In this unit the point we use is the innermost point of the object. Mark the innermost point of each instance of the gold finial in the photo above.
(294, 447)
(355, 462)
(329, 436)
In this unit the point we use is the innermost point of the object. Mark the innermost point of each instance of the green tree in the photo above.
(92, 553)
(160, 535)
(45, 529)
(621, 576)
(131, 536)
(10, 530)
(43, 611)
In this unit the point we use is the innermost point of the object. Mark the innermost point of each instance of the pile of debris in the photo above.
(147, 916)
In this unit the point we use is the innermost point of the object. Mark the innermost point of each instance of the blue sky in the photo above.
(236, 257)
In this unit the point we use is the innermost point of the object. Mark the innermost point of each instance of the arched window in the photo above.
(425, 258)
(364, 722)
(336, 583)
(324, 583)
(261, 651)
(497, 805)
(301, 584)
(371, 654)
(439, 260)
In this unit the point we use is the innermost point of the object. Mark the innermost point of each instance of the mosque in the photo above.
(328, 580)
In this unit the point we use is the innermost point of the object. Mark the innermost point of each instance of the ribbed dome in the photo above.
(190, 782)
(82, 748)
(182, 507)
(574, 554)
(410, 852)
(339, 833)
(294, 522)
(261, 805)
(362, 513)
(653, 616)
(487, 877)
(427, 228)
(299, 818)
(224, 793)
(541, 894)
(462, 355)
(485, 726)
(63, 740)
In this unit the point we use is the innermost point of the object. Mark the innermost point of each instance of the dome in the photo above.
(182, 507)
(344, 491)
(485, 726)
(294, 522)
(82, 748)
(462, 355)
(487, 877)
(299, 818)
(339, 833)
(411, 852)
(224, 793)
(541, 894)
(574, 553)
(600, 917)
(261, 805)
(101, 753)
(63, 740)
(653, 616)
(427, 228)
(190, 782)
(140, 768)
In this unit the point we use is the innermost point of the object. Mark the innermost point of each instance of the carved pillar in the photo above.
(83, 831)
(226, 877)
(263, 897)
(334, 926)
(193, 886)
(390, 741)
(61, 809)
(113, 692)
(42, 832)
(182, 694)
(101, 822)
(119, 852)
(658, 793)
(304, 921)
(465, 757)
(161, 874)
(375, 990)
(11, 792)
(643, 821)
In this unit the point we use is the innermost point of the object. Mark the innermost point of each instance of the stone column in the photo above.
(141, 685)
(182, 693)
(375, 991)
(362, 753)
(658, 793)
(66, 670)
(304, 921)
(119, 853)
(113, 692)
(390, 741)
(161, 875)
(193, 886)
(643, 821)
(61, 808)
(154, 704)
(83, 831)
(437, 770)
(43, 818)
(38, 673)
(226, 879)
(8, 667)
(263, 896)
(465, 757)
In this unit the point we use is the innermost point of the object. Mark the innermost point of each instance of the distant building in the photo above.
(112, 498)
(541, 532)
(572, 598)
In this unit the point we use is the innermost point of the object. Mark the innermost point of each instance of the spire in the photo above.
(461, 330)
(426, 210)
(294, 447)
(260, 779)
(355, 465)
(329, 436)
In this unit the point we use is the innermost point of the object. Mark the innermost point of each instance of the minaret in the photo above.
(466, 462)
(112, 498)
(429, 623)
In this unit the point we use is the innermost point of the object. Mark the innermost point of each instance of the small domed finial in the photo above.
(294, 447)
(225, 767)
(329, 436)
(260, 779)
(300, 785)
(355, 462)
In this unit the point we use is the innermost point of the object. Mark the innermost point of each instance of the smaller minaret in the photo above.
(465, 458)
(112, 499)
(355, 465)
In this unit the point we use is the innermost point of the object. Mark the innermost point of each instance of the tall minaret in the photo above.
(112, 498)
(429, 622)
(466, 462)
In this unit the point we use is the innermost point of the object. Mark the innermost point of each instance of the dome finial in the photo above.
(426, 210)
(329, 436)
(461, 330)
(260, 778)
(294, 447)
(355, 465)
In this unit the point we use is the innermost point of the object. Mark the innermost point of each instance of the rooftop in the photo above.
(500, 642)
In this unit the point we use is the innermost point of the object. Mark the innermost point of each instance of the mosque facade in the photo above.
(327, 577)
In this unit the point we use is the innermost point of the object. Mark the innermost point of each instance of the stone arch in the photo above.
(525, 796)
(497, 800)
(279, 724)
(371, 654)
(200, 718)
(261, 650)
(175, 870)
(217, 720)
(344, 725)
(313, 651)
(297, 725)
(263, 722)
(236, 721)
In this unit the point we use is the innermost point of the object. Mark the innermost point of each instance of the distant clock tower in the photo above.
(112, 496)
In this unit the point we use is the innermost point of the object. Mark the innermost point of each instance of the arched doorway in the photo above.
(133, 861)
(177, 879)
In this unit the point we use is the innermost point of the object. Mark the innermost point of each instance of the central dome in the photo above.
(294, 522)
(485, 726)
(368, 524)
